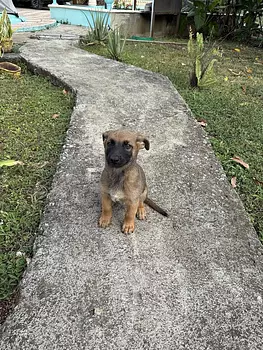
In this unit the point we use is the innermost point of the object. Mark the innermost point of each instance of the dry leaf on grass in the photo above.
(249, 70)
(234, 181)
(234, 73)
(40, 165)
(202, 122)
(258, 182)
(240, 161)
(54, 116)
(244, 89)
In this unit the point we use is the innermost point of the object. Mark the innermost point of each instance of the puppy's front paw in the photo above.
(128, 227)
(141, 213)
(104, 221)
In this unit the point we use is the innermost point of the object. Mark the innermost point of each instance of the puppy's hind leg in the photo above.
(141, 212)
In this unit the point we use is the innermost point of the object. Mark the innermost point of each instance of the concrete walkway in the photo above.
(192, 281)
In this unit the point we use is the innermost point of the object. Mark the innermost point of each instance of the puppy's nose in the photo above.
(115, 159)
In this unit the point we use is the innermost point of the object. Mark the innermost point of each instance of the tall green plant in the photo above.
(6, 31)
(228, 18)
(250, 17)
(115, 44)
(202, 73)
(98, 28)
(202, 12)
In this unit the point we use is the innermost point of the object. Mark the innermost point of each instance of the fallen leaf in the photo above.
(226, 79)
(249, 70)
(234, 73)
(202, 122)
(65, 92)
(258, 61)
(240, 161)
(244, 89)
(258, 182)
(237, 49)
(234, 181)
(183, 64)
(10, 162)
(54, 116)
(40, 165)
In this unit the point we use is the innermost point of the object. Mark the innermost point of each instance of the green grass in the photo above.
(232, 108)
(30, 133)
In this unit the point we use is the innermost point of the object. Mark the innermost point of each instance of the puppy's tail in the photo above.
(156, 207)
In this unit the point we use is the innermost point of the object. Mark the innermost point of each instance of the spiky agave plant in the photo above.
(202, 74)
(115, 44)
(6, 32)
(98, 28)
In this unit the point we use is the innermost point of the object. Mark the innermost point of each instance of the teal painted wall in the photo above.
(74, 15)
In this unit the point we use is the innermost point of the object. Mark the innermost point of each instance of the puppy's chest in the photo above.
(116, 188)
(116, 195)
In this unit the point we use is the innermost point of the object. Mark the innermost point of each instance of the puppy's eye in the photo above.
(127, 145)
(110, 142)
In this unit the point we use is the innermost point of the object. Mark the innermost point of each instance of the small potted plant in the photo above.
(6, 32)
(116, 4)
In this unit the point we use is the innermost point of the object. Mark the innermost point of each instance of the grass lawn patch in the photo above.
(232, 108)
(34, 117)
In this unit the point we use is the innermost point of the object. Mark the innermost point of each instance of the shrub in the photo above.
(231, 18)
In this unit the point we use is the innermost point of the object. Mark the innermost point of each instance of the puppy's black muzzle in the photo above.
(117, 156)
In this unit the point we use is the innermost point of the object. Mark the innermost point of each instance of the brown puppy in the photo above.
(123, 179)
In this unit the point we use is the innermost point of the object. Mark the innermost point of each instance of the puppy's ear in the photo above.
(142, 142)
(105, 135)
